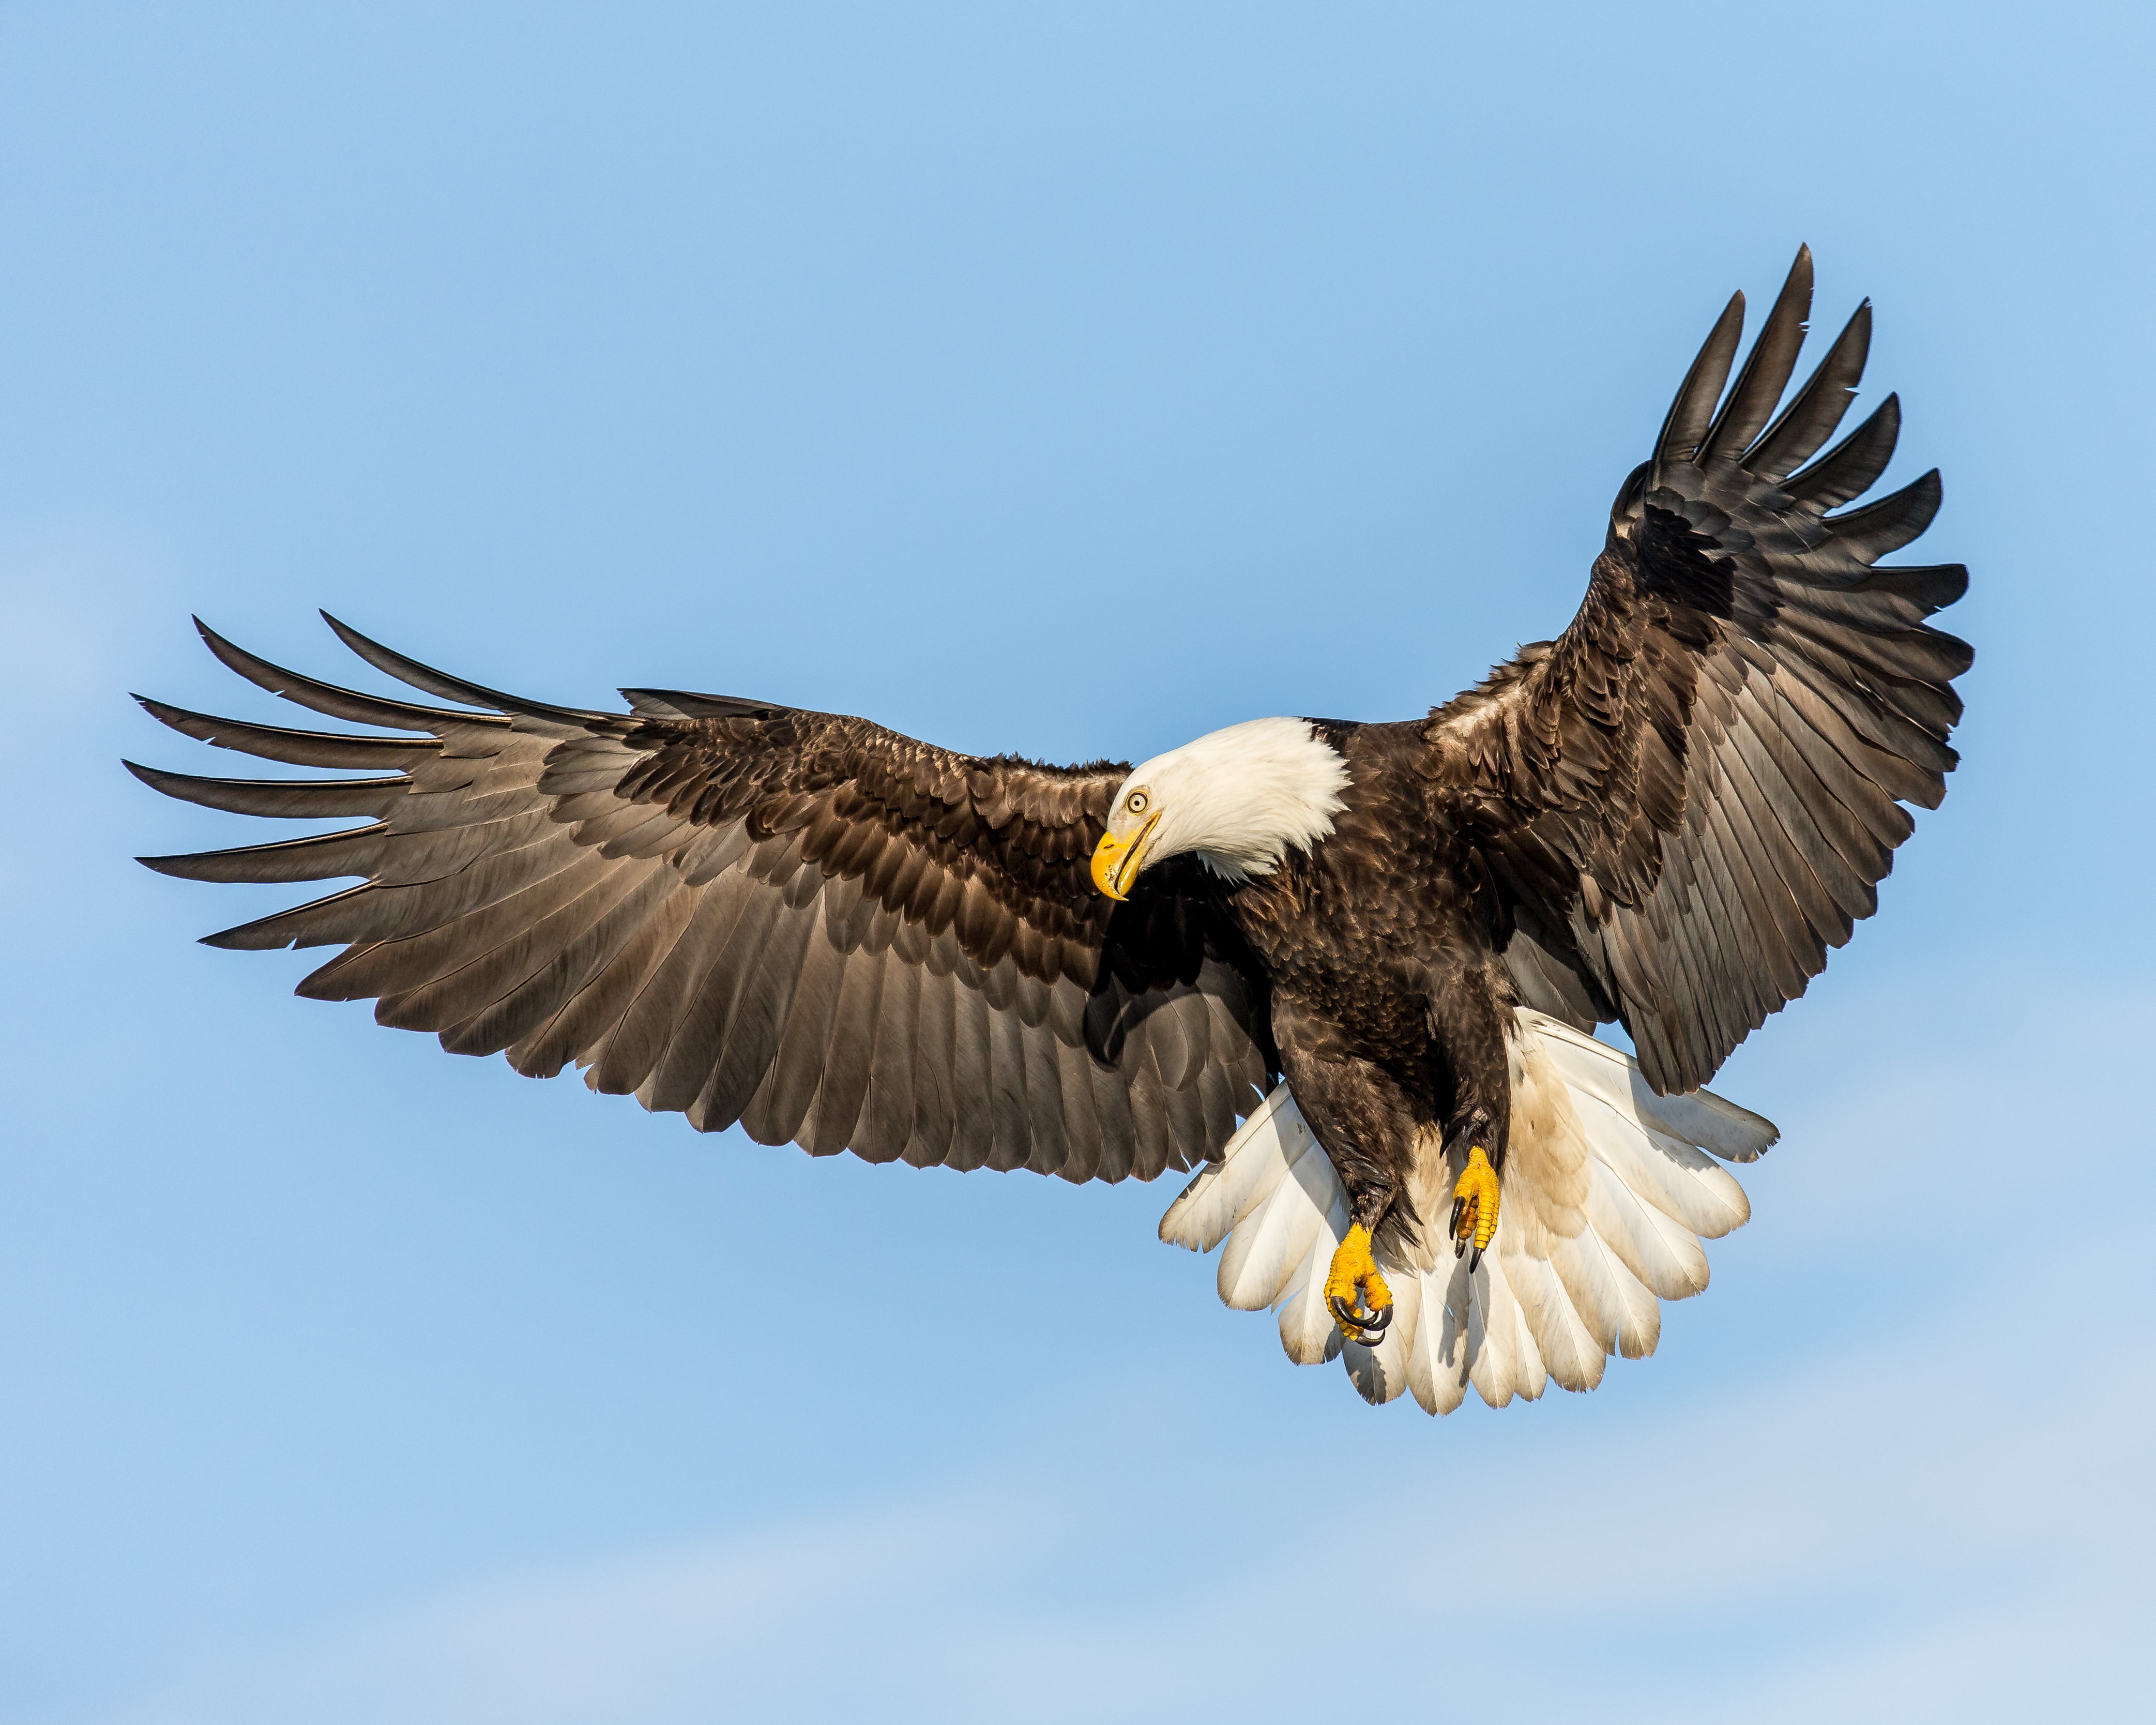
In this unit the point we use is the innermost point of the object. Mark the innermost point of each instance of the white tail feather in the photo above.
(1608, 1191)
(1227, 1190)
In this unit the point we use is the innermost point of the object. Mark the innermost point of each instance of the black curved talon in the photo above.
(1474, 1263)
(1374, 1324)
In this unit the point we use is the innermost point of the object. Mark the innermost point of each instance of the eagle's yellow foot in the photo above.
(1355, 1293)
(1474, 1207)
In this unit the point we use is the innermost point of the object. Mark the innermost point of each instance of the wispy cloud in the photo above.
(1800, 1552)
(756, 1626)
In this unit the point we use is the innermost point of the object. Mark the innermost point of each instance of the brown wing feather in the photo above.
(1693, 794)
(830, 933)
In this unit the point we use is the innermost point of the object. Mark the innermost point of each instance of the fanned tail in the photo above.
(1608, 1192)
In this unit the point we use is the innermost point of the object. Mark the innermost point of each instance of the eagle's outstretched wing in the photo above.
(832, 933)
(1693, 792)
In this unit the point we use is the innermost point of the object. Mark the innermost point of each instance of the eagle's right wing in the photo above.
(807, 923)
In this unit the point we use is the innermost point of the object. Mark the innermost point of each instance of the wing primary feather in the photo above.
(1766, 370)
(1693, 410)
(347, 704)
(288, 798)
(324, 857)
(1877, 529)
(1849, 468)
(1814, 412)
(449, 688)
(295, 748)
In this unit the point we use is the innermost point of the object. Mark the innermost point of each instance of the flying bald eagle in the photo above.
(837, 937)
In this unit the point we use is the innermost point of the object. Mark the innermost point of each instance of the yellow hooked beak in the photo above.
(1116, 864)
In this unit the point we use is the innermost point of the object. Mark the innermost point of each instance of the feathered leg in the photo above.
(1469, 1025)
(1366, 1121)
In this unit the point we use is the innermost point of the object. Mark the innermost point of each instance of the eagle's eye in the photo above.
(1135, 803)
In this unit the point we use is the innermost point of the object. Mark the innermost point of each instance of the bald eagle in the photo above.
(1347, 973)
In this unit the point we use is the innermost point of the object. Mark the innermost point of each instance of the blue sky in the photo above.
(1074, 380)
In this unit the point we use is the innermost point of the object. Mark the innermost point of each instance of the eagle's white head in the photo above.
(1238, 798)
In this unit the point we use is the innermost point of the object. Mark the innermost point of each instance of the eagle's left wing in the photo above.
(1692, 793)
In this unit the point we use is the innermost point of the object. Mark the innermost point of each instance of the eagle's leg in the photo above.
(1365, 1120)
(1469, 1023)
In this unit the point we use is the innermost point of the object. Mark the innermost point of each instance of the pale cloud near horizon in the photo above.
(1976, 1568)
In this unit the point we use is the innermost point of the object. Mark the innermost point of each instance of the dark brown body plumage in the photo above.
(1389, 994)
(842, 938)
